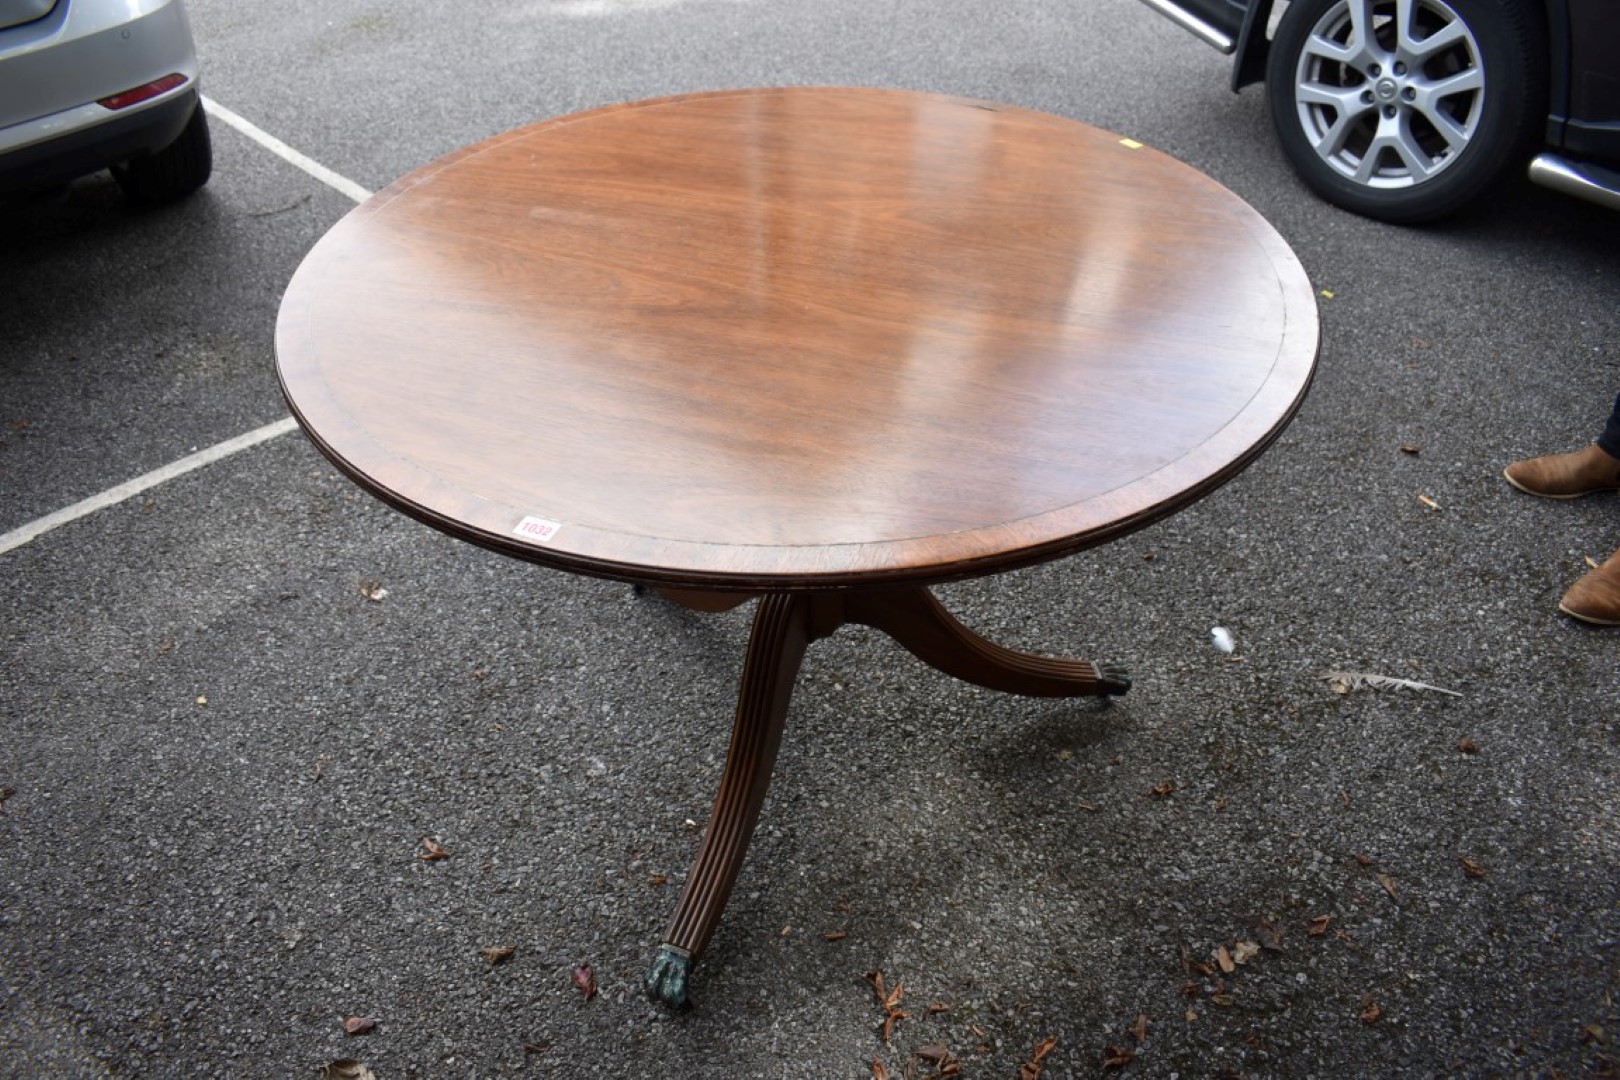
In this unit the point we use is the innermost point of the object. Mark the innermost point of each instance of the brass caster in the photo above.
(666, 979)
(1113, 679)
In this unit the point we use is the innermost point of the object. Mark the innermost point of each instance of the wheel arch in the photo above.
(1558, 66)
(1254, 46)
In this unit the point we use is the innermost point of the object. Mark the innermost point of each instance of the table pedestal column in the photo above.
(784, 626)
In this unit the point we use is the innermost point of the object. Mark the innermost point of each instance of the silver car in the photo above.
(87, 85)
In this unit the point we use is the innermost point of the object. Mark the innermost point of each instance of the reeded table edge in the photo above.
(756, 581)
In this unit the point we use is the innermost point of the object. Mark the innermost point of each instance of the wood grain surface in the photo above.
(797, 338)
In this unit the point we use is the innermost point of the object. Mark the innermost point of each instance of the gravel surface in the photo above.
(220, 755)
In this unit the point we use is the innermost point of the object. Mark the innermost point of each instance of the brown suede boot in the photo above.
(1566, 476)
(1595, 598)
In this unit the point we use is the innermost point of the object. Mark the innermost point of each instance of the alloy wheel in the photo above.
(1390, 92)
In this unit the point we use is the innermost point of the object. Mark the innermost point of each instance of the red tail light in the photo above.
(142, 93)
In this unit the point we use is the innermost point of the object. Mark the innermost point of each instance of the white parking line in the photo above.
(287, 153)
(16, 538)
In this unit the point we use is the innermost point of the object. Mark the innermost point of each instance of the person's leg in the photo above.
(1595, 467)
(1610, 439)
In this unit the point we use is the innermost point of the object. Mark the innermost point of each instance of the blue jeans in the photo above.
(1609, 441)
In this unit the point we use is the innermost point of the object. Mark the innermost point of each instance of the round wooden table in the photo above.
(823, 347)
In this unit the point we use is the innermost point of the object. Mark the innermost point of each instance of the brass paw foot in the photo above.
(1113, 679)
(666, 979)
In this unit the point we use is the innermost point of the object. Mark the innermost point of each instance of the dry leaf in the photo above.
(1345, 681)
(890, 1000)
(1319, 925)
(1430, 503)
(1225, 1001)
(934, 1055)
(1117, 1057)
(536, 1048)
(879, 1070)
(658, 880)
(1465, 745)
(1411, 448)
(835, 935)
(359, 1025)
(1032, 1069)
(1192, 1014)
(1086, 806)
(1389, 885)
(1244, 951)
(347, 1069)
(1220, 804)
(433, 851)
(1364, 860)
(937, 1007)
(1347, 939)
(1224, 958)
(1471, 868)
(499, 954)
(1139, 1030)
(1191, 989)
(1162, 791)
(1370, 1013)
(585, 979)
(1270, 937)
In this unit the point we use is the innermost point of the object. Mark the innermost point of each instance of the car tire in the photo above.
(174, 171)
(1406, 126)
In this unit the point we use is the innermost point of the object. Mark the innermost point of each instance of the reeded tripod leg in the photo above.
(913, 617)
(783, 627)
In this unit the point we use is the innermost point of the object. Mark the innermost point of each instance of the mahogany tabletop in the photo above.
(792, 338)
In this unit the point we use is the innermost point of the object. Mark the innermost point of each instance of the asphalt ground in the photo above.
(221, 755)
